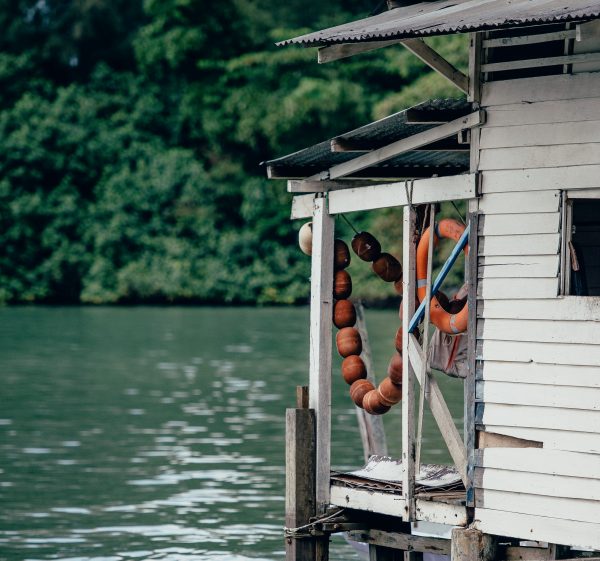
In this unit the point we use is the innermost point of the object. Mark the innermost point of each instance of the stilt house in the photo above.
(523, 148)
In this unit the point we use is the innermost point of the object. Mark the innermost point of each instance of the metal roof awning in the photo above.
(450, 16)
(445, 156)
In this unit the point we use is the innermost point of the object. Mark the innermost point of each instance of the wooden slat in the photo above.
(533, 373)
(434, 189)
(530, 39)
(406, 542)
(537, 484)
(519, 203)
(511, 393)
(579, 332)
(553, 439)
(505, 266)
(544, 88)
(582, 58)
(541, 179)
(321, 309)
(520, 244)
(540, 460)
(525, 416)
(517, 288)
(568, 308)
(486, 439)
(541, 135)
(542, 528)
(563, 111)
(506, 225)
(547, 353)
(540, 156)
(406, 145)
(539, 505)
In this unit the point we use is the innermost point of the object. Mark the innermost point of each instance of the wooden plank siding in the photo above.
(538, 353)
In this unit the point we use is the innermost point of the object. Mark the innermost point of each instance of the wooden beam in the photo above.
(405, 542)
(299, 479)
(469, 544)
(406, 145)
(383, 173)
(530, 39)
(408, 389)
(541, 62)
(321, 309)
(341, 144)
(432, 59)
(302, 206)
(316, 186)
(345, 50)
(415, 116)
(440, 410)
(435, 189)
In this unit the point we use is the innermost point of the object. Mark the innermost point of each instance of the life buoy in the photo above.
(443, 320)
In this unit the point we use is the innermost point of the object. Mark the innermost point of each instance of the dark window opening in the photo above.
(583, 247)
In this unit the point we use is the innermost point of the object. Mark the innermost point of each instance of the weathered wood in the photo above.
(434, 189)
(302, 206)
(511, 393)
(541, 528)
(345, 50)
(520, 244)
(475, 54)
(316, 186)
(505, 224)
(542, 180)
(487, 439)
(382, 553)
(405, 542)
(540, 156)
(301, 397)
(578, 332)
(469, 544)
(561, 419)
(544, 88)
(540, 266)
(547, 353)
(406, 145)
(546, 485)
(516, 289)
(547, 134)
(530, 39)
(321, 310)
(439, 410)
(408, 399)
(432, 59)
(371, 428)
(539, 505)
(541, 460)
(569, 308)
(541, 62)
(532, 373)
(299, 480)
(519, 203)
(520, 553)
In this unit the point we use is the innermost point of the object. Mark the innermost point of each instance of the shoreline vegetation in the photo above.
(131, 134)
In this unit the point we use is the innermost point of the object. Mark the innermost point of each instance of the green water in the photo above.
(158, 433)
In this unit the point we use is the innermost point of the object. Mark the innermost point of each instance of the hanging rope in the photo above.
(304, 531)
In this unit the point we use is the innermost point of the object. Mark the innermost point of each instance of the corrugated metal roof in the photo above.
(451, 16)
(418, 163)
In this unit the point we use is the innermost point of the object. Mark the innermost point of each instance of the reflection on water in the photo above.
(158, 433)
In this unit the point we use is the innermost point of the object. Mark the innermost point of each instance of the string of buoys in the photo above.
(363, 393)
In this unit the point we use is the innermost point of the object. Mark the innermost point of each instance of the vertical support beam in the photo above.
(299, 476)
(470, 382)
(381, 553)
(475, 51)
(371, 428)
(469, 544)
(408, 378)
(321, 310)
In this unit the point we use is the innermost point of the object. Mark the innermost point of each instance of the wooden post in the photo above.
(381, 553)
(299, 476)
(321, 310)
(469, 544)
(408, 400)
(371, 428)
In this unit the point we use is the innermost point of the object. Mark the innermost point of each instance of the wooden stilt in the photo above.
(469, 544)
(299, 476)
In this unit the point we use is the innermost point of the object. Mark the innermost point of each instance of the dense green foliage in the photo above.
(131, 134)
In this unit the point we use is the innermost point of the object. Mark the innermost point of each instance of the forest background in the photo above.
(131, 134)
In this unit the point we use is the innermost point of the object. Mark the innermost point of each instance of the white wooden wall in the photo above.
(538, 374)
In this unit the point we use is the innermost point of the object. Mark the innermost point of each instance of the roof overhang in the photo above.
(445, 17)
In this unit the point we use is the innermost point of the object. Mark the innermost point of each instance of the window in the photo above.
(581, 247)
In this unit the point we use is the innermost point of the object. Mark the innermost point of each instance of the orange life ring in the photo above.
(443, 320)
